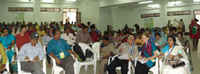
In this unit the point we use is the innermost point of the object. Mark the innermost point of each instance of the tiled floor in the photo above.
(195, 61)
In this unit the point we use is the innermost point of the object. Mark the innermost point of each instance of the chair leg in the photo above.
(86, 67)
(76, 68)
(95, 68)
(52, 71)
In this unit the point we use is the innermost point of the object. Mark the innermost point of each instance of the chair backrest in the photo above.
(7, 66)
(85, 47)
(96, 48)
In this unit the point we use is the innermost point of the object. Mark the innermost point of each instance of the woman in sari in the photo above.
(147, 54)
(175, 60)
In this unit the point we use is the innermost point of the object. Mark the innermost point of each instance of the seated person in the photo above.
(94, 34)
(69, 37)
(107, 50)
(183, 41)
(127, 52)
(148, 53)
(61, 52)
(8, 42)
(23, 37)
(31, 54)
(159, 42)
(84, 35)
(173, 52)
(3, 59)
(48, 36)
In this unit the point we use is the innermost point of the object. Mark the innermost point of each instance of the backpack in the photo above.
(78, 50)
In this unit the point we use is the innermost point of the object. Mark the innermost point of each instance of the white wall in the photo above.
(131, 15)
(88, 8)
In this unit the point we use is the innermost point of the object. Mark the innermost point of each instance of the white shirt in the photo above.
(31, 51)
(70, 38)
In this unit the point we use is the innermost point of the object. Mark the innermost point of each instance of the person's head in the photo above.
(93, 28)
(105, 40)
(34, 38)
(88, 23)
(157, 36)
(180, 35)
(131, 38)
(181, 20)
(23, 28)
(145, 37)
(56, 34)
(85, 28)
(67, 30)
(171, 40)
(5, 32)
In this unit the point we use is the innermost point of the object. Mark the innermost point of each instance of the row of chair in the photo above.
(56, 69)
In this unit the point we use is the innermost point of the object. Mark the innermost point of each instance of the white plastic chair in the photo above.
(198, 48)
(96, 48)
(84, 47)
(19, 63)
(7, 68)
(56, 69)
(156, 69)
(130, 65)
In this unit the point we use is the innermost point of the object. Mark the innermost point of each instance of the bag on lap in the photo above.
(78, 50)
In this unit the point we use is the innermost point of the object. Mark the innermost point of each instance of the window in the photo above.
(69, 15)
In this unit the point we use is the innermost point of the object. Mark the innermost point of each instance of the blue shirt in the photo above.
(58, 46)
(146, 55)
(165, 49)
(7, 40)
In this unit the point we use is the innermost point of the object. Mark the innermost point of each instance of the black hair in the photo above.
(22, 26)
(5, 28)
(92, 27)
(180, 34)
(173, 38)
(54, 31)
(84, 26)
(157, 34)
(88, 22)
(106, 38)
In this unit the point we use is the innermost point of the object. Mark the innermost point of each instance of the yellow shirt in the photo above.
(41, 33)
(3, 55)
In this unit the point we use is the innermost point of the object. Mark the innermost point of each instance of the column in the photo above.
(36, 11)
(163, 12)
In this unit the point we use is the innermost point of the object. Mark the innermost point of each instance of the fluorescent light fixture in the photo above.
(175, 3)
(154, 5)
(47, 1)
(70, 0)
(196, 0)
(26, 0)
(145, 2)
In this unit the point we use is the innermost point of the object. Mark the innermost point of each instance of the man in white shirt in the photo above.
(68, 36)
(127, 52)
(31, 54)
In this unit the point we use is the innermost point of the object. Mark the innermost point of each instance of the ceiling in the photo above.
(42, 1)
(102, 3)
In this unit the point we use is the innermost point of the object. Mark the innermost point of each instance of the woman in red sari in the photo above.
(194, 32)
